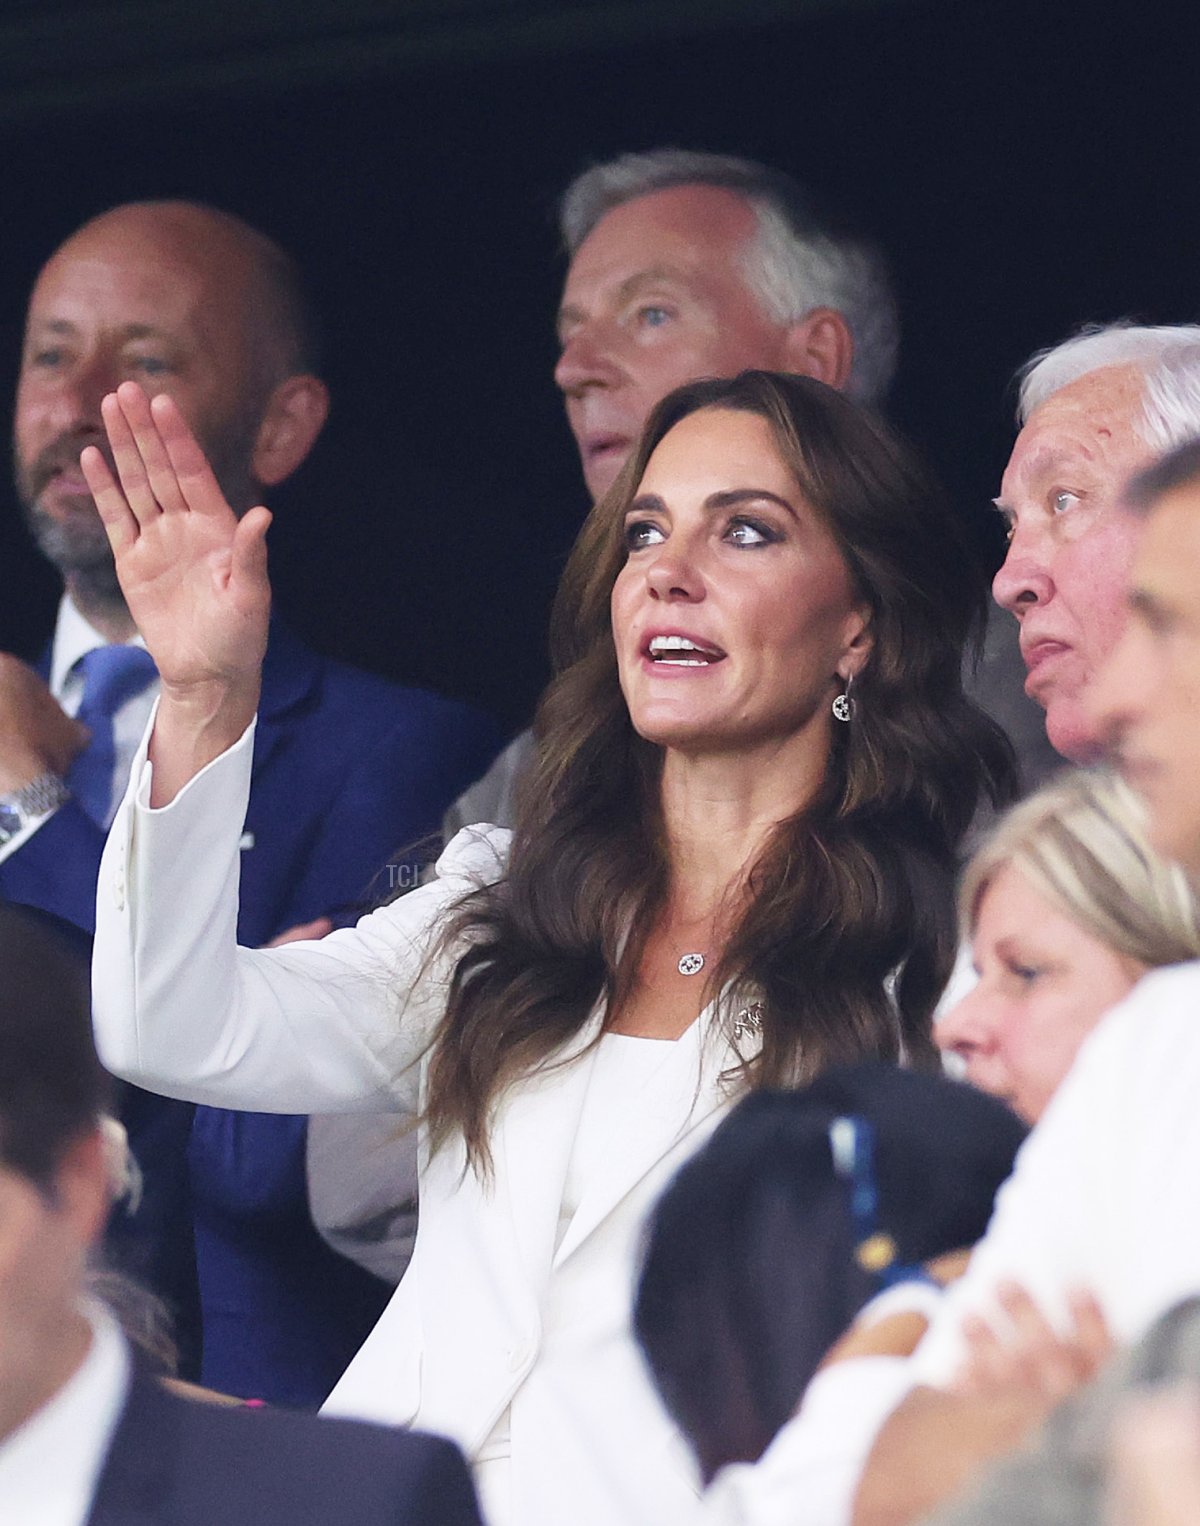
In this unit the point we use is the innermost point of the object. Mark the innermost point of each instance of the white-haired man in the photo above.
(1085, 1199)
(1103, 1194)
(1093, 411)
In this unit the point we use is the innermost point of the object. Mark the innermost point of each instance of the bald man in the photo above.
(192, 302)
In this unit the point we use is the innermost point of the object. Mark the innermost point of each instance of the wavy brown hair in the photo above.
(847, 932)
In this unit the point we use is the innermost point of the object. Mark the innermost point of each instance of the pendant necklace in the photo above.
(690, 964)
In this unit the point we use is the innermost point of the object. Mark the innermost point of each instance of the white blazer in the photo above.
(491, 1315)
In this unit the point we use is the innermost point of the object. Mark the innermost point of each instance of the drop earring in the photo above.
(843, 705)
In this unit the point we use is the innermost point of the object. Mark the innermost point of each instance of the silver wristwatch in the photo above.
(33, 800)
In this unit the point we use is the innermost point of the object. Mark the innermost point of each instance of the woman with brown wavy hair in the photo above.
(754, 768)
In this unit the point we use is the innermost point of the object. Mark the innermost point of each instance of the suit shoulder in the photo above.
(354, 688)
(276, 1468)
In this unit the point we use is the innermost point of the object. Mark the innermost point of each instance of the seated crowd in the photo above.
(705, 1234)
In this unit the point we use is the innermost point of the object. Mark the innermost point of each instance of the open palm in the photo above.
(194, 576)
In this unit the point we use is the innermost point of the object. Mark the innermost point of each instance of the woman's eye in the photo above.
(641, 533)
(748, 532)
(653, 316)
(1063, 500)
(152, 365)
(1026, 974)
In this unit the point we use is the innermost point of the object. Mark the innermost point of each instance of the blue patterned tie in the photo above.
(111, 675)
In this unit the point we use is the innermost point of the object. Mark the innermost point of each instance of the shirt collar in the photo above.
(49, 1467)
(74, 637)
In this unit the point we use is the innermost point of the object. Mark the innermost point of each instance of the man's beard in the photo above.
(77, 543)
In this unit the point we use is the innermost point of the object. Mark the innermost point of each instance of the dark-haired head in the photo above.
(52, 1086)
(846, 926)
(915, 737)
(761, 1251)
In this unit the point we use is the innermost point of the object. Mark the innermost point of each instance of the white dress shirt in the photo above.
(75, 637)
(49, 1467)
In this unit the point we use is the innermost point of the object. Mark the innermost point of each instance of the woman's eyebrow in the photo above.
(726, 498)
(731, 498)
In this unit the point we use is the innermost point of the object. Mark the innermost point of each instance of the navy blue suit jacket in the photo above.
(176, 1462)
(348, 768)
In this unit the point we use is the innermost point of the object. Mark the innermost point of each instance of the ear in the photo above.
(294, 416)
(81, 1185)
(820, 345)
(859, 644)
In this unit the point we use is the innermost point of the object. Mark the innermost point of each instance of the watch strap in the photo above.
(22, 806)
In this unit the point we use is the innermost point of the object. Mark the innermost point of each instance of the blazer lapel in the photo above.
(536, 1131)
(674, 1106)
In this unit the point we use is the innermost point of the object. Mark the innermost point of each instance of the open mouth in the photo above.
(682, 652)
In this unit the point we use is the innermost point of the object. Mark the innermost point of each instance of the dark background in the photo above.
(1028, 166)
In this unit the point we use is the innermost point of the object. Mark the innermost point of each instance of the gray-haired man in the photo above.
(685, 265)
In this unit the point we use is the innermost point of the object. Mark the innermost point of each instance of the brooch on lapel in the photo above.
(749, 1020)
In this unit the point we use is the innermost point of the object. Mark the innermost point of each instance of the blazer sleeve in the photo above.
(338, 1025)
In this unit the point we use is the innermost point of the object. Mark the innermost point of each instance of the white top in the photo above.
(626, 1073)
(502, 1308)
(625, 1070)
(75, 637)
(50, 1466)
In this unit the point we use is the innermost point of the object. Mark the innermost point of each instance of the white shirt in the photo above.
(50, 1466)
(1104, 1194)
(75, 637)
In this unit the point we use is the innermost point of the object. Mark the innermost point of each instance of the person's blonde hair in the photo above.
(1081, 842)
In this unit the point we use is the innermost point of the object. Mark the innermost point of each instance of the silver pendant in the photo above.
(690, 964)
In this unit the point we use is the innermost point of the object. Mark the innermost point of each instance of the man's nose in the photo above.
(1024, 579)
(78, 394)
(586, 361)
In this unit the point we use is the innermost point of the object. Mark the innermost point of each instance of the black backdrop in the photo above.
(1028, 165)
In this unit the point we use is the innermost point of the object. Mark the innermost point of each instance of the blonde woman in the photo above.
(1066, 906)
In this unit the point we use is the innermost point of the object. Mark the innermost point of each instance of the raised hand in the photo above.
(194, 577)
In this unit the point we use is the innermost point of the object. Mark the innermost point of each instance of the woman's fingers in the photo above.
(184, 463)
(248, 566)
(162, 469)
(126, 415)
(114, 511)
(156, 464)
